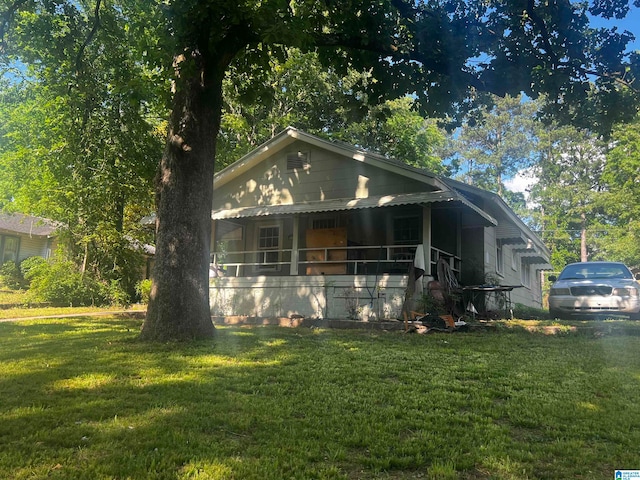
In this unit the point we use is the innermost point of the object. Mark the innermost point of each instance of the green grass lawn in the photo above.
(81, 398)
(12, 306)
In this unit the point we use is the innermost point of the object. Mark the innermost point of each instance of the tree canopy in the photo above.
(303, 93)
(444, 53)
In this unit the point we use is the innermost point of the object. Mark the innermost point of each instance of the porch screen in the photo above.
(406, 231)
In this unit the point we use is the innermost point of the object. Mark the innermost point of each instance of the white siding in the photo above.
(33, 247)
(328, 176)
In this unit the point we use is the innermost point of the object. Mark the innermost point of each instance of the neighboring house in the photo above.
(23, 236)
(304, 226)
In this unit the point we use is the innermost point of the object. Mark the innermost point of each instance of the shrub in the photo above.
(30, 266)
(143, 289)
(61, 284)
(10, 276)
(115, 294)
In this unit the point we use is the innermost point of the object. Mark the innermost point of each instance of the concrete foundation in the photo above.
(354, 297)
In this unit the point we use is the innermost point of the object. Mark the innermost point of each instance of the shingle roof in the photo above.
(26, 224)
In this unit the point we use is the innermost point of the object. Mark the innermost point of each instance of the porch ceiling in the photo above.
(356, 203)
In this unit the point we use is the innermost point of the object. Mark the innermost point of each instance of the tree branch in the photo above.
(96, 25)
(539, 24)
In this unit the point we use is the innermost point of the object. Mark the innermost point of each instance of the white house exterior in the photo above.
(306, 227)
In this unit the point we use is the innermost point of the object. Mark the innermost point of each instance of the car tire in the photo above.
(555, 314)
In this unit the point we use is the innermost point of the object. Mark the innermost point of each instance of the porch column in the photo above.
(294, 246)
(459, 235)
(426, 238)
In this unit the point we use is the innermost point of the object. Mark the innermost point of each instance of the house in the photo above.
(302, 226)
(23, 236)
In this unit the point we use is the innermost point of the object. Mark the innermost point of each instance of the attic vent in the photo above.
(297, 160)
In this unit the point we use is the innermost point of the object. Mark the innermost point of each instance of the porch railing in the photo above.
(352, 260)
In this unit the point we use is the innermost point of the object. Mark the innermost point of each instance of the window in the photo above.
(499, 257)
(269, 241)
(525, 274)
(406, 231)
(9, 249)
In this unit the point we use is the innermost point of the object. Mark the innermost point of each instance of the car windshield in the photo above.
(596, 270)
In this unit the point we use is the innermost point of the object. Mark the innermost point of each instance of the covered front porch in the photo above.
(335, 259)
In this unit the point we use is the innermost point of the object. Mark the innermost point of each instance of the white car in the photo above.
(589, 289)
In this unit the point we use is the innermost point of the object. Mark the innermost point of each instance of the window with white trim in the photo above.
(499, 257)
(406, 230)
(525, 274)
(269, 246)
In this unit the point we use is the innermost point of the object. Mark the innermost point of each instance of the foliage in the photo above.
(106, 67)
(396, 129)
(18, 276)
(60, 283)
(143, 290)
(496, 142)
(11, 299)
(301, 92)
(569, 184)
(10, 276)
(29, 266)
(427, 303)
(620, 200)
(80, 132)
(20, 304)
(313, 403)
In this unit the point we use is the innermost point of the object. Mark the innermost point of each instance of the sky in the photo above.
(630, 23)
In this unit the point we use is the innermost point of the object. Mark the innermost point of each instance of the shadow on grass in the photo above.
(84, 399)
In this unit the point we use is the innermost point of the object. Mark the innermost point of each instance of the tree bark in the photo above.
(179, 303)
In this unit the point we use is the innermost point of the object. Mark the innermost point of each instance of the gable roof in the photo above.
(27, 225)
(290, 135)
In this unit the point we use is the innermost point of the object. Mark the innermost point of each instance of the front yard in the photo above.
(12, 305)
(81, 398)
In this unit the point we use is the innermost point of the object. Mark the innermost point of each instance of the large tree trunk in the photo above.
(179, 304)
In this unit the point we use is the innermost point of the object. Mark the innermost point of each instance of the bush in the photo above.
(29, 267)
(61, 284)
(143, 289)
(10, 276)
(115, 294)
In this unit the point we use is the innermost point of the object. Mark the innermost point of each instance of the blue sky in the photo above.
(630, 23)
